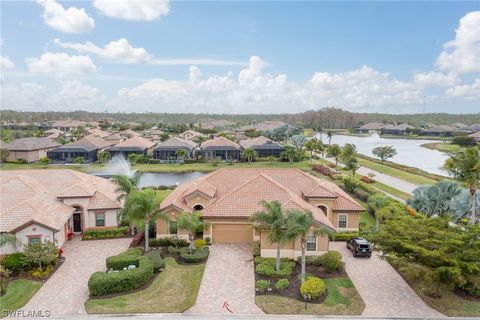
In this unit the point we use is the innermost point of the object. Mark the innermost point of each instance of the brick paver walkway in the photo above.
(67, 290)
(382, 289)
(228, 276)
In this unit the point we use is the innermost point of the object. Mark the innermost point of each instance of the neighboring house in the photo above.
(68, 125)
(475, 136)
(154, 135)
(228, 197)
(168, 149)
(472, 128)
(97, 132)
(217, 124)
(458, 125)
(53, 133)
(114, 138)
(221, 148)
(263, 126)
(189, 135)
(47, 205)
(30, 149)
(400, 129)
(129, 133)
(263, 146)
(370, 127)
(440, 131)
(137, 145)
(87, 147)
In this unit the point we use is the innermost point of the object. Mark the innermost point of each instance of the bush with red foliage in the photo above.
(367, 179)
(326, 171)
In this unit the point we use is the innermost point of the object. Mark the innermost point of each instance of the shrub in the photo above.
(267, 268)
(343, 236)
(4, 279)
(196, 257)
(199, 244)
(107, 233)
(208, 241)
(15, 261)
(173, 250)
(256, 248)
(367, 179)
(262, 285)
(102, 283)
(464, 141)
(40, 273)
(331, 261)
(282, 284)
(361, 194)
(326, 171)
(125, 259)
(313, 260)
(166, 242)
(156, 259)
(313, 288)
(41, 254)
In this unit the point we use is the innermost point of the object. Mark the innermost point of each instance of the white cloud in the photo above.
(71, 20)
(433, 78)
(117, 51)
(468, 92)
(61, 64)
(462, 55)
(194, 73)
(6, 63)
(138, 10)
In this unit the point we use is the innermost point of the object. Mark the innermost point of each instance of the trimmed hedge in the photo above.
(15, 261)
(169, 241)
(156, 259)
(197, 256)
(313, 288)
(173, 250)
(102, 283)
(343, 236)
(107, 233)
(267, 267)
(125, 259)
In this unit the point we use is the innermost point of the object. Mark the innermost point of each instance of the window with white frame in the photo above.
(342, 220)
(311, 243)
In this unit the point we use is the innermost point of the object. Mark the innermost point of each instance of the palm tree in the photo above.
(250, 154)
(320, 147)
(193, 223)
(301, 224)
(310, 146)
(181, 153)
(104, 156)
(273, 219)
(126, 184)
(352, 165)
(8, 238)
(329, 136)
(142, 207)
(290, 154)
(375, 203)
(465, 167)
(334, 151)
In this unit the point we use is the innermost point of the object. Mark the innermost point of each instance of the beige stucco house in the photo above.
(47, 205)
(30, 149)
(228, 197)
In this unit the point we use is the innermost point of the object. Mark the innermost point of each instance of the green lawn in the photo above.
(173, 291)
(162, 194)
(19, 292)
(443, 147)
(390, 190)
(397, 173)
(367, 221)
(342, 299)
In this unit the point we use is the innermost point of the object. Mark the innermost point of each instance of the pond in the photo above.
(155, 179)
(409, 151)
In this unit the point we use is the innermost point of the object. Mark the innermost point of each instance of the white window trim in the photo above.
(306, 248)
(346, 220)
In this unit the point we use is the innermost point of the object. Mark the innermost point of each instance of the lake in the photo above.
(155, 179)
(409, 151)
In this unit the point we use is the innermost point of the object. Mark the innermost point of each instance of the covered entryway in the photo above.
(232, 233)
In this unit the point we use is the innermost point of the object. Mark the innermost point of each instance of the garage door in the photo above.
(232, 233)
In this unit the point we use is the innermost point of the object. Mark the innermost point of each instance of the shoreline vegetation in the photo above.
(392, 136)
(442, 147)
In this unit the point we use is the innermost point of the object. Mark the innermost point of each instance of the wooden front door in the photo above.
(77, 222)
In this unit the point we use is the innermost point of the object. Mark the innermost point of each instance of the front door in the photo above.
(77, 222)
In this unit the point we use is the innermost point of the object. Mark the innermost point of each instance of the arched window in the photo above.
(198, 207)
(324, 209)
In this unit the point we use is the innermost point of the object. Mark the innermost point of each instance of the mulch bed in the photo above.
(293, 289)
(26, 276)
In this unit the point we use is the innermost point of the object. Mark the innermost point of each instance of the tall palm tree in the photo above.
(310, 146)
(320, 147)
(273, 220)
(377, 202)
(301, 224)
(104, 156)
(352, 165)
(290, 154)
(465, 167)
(141, 207)
(250, 154)
(193, 223)
(126, 184)
(329, 136)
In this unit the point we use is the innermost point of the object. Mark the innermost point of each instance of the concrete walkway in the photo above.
(228, 277)
(67, 290)
(382, 289)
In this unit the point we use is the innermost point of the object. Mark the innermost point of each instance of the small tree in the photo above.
(44, 161)
(349, 150)
(193, 223)
(329, 136)
(133, 158)
(334, 151)
(4, 153)
(41, 253)
(384, 153)
(299, 141)
(250, 154)
(351, 164)
(79, 160)
(104, 156)
(311, 147)
(181, 153)
(4, 279)
(290, 154)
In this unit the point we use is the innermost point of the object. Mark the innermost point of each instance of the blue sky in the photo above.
(273, 56)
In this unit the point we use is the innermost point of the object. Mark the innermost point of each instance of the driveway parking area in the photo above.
(382, 289)
(228, 278)
(67, 290)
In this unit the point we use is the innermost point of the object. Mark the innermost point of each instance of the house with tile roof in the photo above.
(399, 129)
(136, 144)
(168, 149)
(129, 133)
(220, 148)
(440, 131)
(228, 197)
(475, 136)
(68, 125)
(263, 146)
(114, 138)
(29, 149)
(370, 127)
(97, 132)
(47, 205)
(87, 147)
(189, 135)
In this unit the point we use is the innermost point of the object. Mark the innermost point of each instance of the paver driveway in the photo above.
(384, 292)
(67, 290)
(228, 277)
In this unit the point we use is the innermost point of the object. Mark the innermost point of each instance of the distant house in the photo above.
(189, 135)
(114, 138)
(30, 149)
(217, 124)
(396, 129)
(87, 147)
(68, 125)
(221, 148)
(137, 145)
(458, 125)
(168, 149)
(263, 146)
(370, 127)
(472, 128)
(154, 135)
(53, 133)
(129, 133)
(97, 132)
(475, 136)
(440, 131)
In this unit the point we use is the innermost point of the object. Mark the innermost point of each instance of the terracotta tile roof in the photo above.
(176, 142)
(189, 134)
(69, 123)
(373, 126)
(90, 142)
(136, 141)
(27, 195)
(129, 132)
(113, 136)
(260, 142)
(238, 192)
(30, 144)
(98, 133)
(205, 188)
(219, 142)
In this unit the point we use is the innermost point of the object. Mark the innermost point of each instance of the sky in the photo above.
(240, 57)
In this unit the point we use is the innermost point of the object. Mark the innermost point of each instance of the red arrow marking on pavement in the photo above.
(227, 306)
